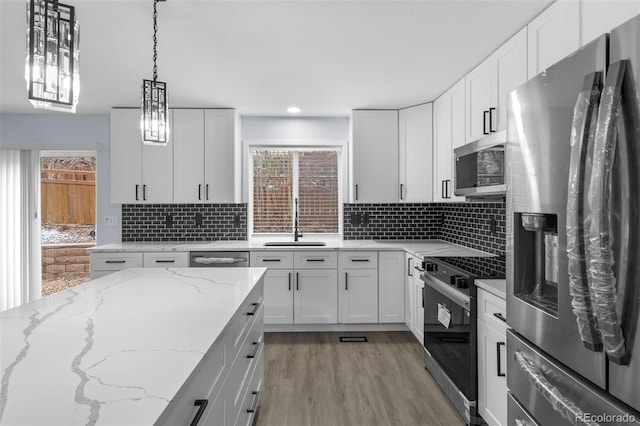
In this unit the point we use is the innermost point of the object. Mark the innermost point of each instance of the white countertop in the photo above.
(496, 287)
(116, 350)
(434, 248)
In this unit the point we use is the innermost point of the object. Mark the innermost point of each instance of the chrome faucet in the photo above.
(296, 233)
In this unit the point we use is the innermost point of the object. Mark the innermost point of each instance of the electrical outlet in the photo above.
(110, 220)
(198, 219)
(236, 220)
(168, 221)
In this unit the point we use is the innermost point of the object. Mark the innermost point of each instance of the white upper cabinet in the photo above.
(601, 16)
(140, 173)
(416, 154)
(488, 85)
(449, 126)
(204, 157)
(375, 156)
(552, 35)
(511, 68)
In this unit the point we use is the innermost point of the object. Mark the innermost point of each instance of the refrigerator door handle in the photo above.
(585, 117)
(601, 257)
(561, 404)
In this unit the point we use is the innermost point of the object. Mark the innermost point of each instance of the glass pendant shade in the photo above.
(155, 117)
(52, 68)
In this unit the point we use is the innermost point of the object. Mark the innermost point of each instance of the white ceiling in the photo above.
(328, 57)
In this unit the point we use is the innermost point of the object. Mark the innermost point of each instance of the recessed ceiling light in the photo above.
(294, 110)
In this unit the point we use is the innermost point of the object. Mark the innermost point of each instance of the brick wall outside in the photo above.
(65, 260)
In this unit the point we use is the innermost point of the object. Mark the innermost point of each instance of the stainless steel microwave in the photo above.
(480, 166)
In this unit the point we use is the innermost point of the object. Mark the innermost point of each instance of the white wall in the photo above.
(57, 131)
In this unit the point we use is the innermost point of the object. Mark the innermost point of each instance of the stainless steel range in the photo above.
(450, 334)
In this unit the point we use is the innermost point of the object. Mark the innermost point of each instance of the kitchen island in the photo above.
(133, 347)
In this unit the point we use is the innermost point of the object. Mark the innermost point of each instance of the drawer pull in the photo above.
(271, 260)
(315, 260)
(256, 346)
(115, 261)
(499, 316)
(289, 281)
(500, 373)
(202, 404)
(256, 306)
(359, 260)
(165, 261)
(254, 404)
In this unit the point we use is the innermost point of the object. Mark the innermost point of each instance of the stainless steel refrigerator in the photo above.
(573, 238)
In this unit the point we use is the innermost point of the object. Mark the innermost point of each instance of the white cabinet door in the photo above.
(442, 146)
(188, 164)
(375, 156)
(511, 68)
(481, 98)
(278, 296)
(601, 16)
(552, 35)
(409, 304)
(315, 298)
(220, 155)
(358, 296)
(416, 154)
(418, 324)
(391, 284)
(139, 173)
(492, 380)
(458, 123)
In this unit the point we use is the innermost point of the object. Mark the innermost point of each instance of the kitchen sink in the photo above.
(293, 243)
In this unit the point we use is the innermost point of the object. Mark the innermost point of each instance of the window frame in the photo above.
(294, 145)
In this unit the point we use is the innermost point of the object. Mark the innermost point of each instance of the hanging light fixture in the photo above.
(155, 118)
(52, 68)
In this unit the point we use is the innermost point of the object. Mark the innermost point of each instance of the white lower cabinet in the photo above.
(165, 260)
(358, 287)
(106, 263)
(391, 287)
(409, 296)
(414, 302)
(315, 297)
(418, 324)
(492, 359)
(224, 389)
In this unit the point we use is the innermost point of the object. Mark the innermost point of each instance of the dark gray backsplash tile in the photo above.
(183, 222)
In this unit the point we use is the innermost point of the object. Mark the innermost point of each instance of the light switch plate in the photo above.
(110, 220)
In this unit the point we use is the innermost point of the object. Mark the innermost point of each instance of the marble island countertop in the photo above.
(116, 350)
(433, 248)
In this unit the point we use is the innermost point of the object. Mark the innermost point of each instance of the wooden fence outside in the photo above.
(68, 196)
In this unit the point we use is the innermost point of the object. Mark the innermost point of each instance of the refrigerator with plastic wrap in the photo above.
(573, 238)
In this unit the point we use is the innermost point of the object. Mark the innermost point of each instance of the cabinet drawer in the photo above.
(490, 307)
(359, 259)
(166, 260)
(249, 310)
(272, 259)
(315, 260)
(252, 391)
(204, 383)
(115, 261)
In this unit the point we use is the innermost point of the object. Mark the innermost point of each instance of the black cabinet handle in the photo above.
(271, 260)
(289, 281)
(206, 192)
(359, 260)
(202, 404)
(401, 191)
(498, 344)
(137, 190)
(419, 269)
(484, 122)
(423, 297)
(447, 191)
(256, 306)
(256, 346)
(346, 281)
(254, 405)
(443, 190)
(144, 192)
(297, 281)
(491, 129)
(409, 274)
(199, 191)
(499, 316)
(314, 260)
(356, 192)
(165, 261)
(115, 261)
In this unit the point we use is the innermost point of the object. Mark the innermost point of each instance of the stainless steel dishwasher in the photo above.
(218, 259)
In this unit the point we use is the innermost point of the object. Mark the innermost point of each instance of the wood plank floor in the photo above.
(311, 379)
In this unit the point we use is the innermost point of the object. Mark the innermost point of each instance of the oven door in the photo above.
(449, 334)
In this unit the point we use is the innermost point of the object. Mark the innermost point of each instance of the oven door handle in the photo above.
(453, 294)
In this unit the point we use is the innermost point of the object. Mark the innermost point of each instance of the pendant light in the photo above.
(52, 67)
(155, 118)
